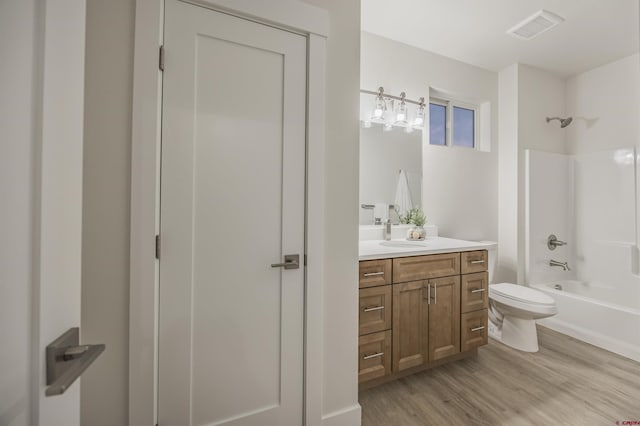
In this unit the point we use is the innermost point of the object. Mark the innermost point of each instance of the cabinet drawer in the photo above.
(375, 309)
(473, 331)
(425, 267)
(375, 272)
(474, 261)
(374, 356)
(474, 291)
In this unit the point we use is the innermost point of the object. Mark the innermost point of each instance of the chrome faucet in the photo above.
(387, 230)
(562, 265)
(553, 242)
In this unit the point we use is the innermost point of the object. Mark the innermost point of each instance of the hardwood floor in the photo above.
(567, 382)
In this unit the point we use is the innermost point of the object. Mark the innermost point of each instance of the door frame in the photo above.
(290, 15)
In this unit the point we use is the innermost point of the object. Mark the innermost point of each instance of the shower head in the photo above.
(564, 122)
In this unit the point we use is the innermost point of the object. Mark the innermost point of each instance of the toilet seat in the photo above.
(520, 294)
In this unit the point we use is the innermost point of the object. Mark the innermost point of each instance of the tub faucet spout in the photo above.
(563, 265)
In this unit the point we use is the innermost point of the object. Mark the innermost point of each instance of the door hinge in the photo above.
(157, 246)
(161, 58)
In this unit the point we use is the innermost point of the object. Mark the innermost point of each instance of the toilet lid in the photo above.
(521, 293)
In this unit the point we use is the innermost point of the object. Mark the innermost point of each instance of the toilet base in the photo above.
(520, 333)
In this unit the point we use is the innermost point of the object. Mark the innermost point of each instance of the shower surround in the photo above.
(590, 201)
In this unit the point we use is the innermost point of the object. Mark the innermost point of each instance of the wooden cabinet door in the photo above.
(410, 325)
(444, 317)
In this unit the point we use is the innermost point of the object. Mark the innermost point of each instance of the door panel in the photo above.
(232, 182)
(410, 325)
(444, 317)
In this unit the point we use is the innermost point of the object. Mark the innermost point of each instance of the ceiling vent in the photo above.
(535, 25)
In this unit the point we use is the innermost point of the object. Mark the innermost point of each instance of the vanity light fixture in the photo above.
(384, 103)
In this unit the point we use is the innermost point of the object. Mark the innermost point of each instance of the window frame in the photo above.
(449, 104)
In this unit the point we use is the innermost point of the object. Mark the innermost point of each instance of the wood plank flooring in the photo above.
(568, 382)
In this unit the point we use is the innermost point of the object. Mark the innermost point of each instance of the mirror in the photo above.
(383, 153)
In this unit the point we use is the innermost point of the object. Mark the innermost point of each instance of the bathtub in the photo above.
(607, 325)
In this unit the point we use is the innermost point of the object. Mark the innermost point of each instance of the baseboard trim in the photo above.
(350, 416)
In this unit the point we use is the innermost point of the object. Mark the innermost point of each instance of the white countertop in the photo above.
(380, 249)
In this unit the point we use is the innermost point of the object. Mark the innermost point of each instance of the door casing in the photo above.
(295, 16)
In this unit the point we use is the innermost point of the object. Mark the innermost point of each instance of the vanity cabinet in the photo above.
(426, 321)
(420, 311)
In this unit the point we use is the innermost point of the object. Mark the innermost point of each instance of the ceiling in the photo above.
(594, 33)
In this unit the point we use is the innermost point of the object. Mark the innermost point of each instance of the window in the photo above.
(452, 123)
(437, 124)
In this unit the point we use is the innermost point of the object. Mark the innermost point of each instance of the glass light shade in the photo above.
(419, 120)
(401, 113)
(379, 109)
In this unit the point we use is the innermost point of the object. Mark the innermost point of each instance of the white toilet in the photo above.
(513, 311)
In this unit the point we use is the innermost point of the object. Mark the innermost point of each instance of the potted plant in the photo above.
(416, 217)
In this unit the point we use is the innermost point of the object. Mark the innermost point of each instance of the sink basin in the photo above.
(404, 244)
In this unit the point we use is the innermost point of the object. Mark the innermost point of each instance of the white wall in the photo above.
(18, 68)
(462, 205)
(528, 95)
(604, 103)
(106, 209)
(507, 262)
(340, 369)
(549, 203)
(540, 95)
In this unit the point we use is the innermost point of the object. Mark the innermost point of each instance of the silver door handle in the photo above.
(478, 328)
(475, 262)
(376, 355)
(435, 298)
(373, 274)
(373, 308)
(478, 290)
(291, 261)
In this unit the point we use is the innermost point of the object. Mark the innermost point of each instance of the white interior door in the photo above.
(232, 191)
